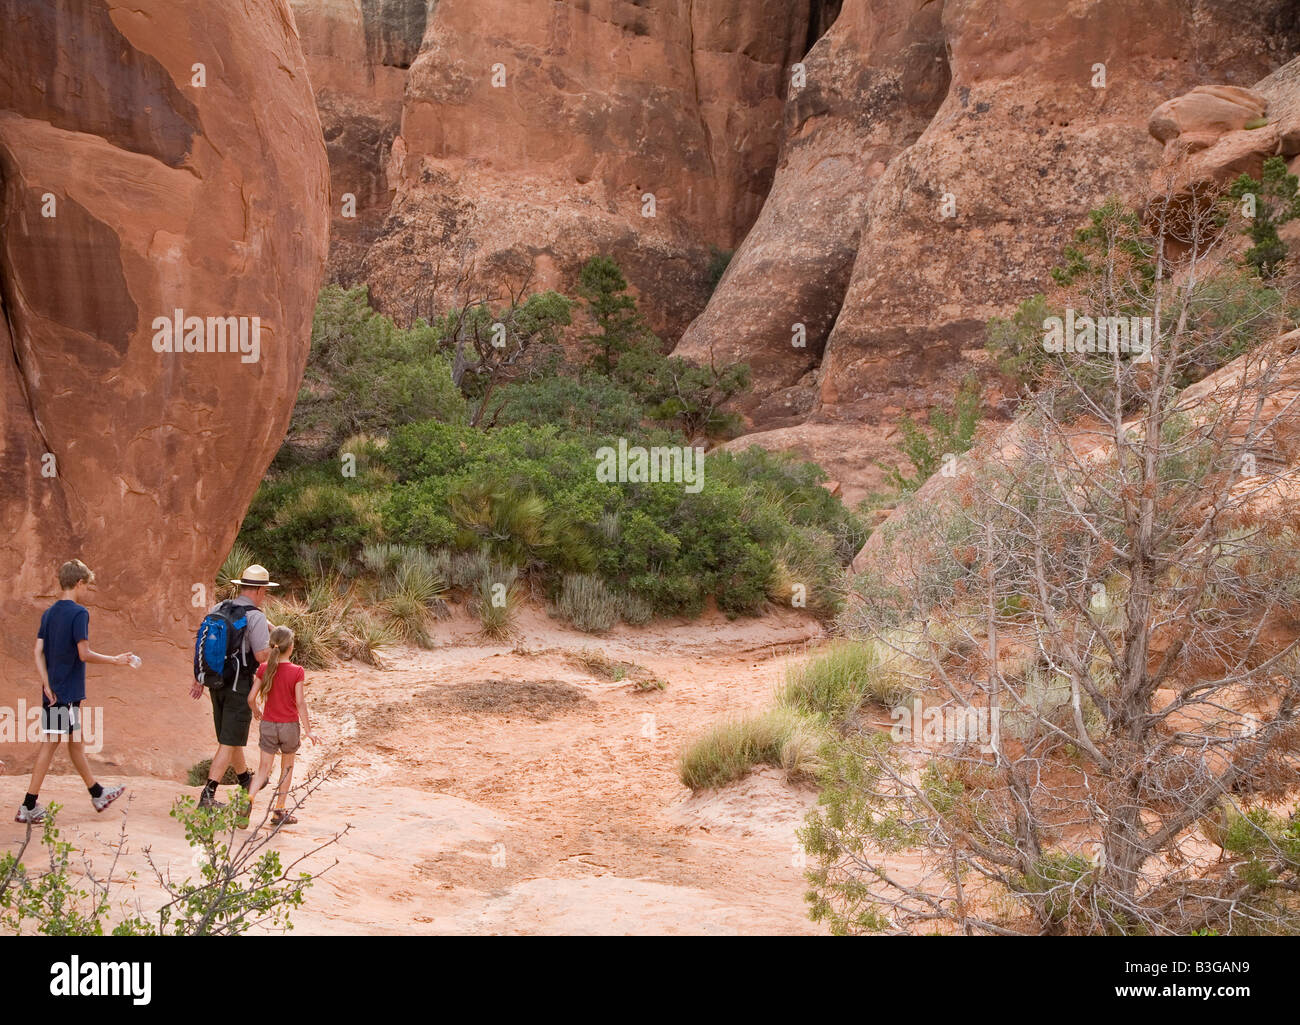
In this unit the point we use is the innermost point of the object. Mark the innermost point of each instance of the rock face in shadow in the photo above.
(867, 91)
(529, 137)
(358, 54)
(128, 192)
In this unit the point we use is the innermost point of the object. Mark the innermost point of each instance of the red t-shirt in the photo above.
(281, 703)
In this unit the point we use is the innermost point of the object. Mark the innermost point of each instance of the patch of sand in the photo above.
(546, 801)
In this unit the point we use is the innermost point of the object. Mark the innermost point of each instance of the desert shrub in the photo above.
(1231, 314)
(526, 493)
(365, 637)
(241, 883)
(586, 602)
(365, 374)
(381, 558)
(634, 611)
(1016, 343)
(1276, 201)
(949, 435)
(684, 396)
(197, 775)
(807, 572)
(317, 630)
(408, 595)
(312, 509)
(593, 404)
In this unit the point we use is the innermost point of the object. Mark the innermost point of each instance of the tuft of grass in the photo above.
(634, 609)
(381, 558)
(844, 676)
(779, 737)
(586, 602)
(198, 774)
(497, 601)
(463, 569)
(316, 627)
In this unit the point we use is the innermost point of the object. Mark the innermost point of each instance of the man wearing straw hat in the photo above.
(231, 714)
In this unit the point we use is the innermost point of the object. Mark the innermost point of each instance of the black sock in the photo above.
(210, 788)
(245, 778)
(29, 802)
(96, 790)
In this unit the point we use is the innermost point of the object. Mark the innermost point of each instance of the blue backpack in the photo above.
(219, 647)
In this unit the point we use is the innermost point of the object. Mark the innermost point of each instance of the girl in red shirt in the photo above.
(280, 704)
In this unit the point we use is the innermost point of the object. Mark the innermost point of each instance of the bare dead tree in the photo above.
(1113, 591)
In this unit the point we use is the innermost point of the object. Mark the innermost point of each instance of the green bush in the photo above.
(522, 489)
(1276, 202)
(950, 434)
(591, 405)
(365, 374)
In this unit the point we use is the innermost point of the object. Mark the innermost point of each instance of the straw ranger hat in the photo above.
(255, 576)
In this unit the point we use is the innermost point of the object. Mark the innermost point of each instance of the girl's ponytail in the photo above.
(281, 641)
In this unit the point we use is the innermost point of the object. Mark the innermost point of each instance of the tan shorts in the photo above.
(280, 738)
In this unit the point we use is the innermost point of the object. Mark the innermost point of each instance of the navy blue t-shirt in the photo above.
(63, 624)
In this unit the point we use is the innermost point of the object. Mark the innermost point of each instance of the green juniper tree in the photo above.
(1267, 203)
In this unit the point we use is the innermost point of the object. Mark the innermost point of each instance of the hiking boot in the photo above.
(207, 800)
(26, 814)
(106, 798)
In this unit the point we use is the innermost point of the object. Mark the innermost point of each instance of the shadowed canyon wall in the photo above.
(531, 132)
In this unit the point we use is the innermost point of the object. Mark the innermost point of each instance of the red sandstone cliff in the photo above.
(127, 192)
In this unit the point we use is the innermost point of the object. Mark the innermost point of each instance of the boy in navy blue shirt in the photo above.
(62, 651)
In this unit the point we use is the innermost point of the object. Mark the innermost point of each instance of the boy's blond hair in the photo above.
(73, 572)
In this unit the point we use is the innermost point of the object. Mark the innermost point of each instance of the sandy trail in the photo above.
(546, 801)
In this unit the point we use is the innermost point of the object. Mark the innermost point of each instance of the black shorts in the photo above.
(231, 716)
(63, 719)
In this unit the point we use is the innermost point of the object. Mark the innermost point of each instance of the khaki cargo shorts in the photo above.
(279, 738)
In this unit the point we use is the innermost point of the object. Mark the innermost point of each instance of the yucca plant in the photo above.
(365, 637)
(411, 593)
(240, 557)
(315, 631)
